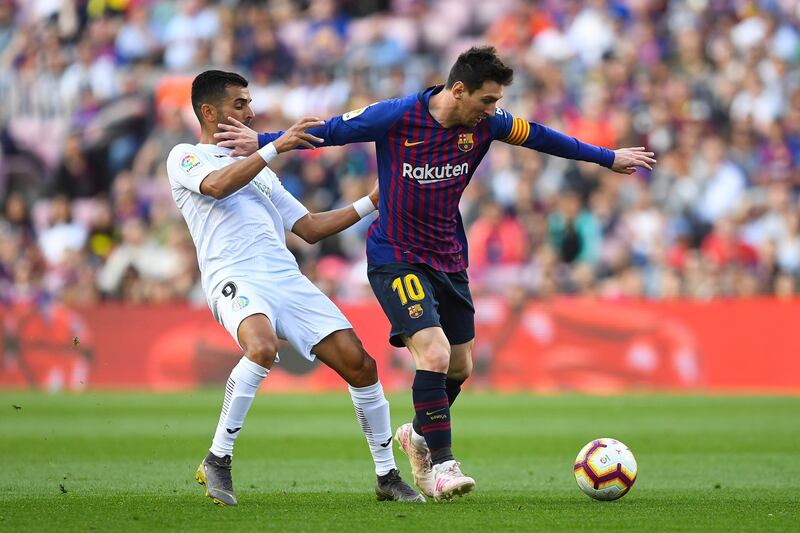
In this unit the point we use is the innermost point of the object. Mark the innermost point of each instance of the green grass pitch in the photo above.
(118, 462)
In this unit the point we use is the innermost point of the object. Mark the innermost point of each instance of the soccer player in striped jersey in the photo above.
(428, 147)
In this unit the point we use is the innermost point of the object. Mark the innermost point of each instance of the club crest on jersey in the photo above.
(240, 303)
(188, 162)
(465, 142)
(415, 311)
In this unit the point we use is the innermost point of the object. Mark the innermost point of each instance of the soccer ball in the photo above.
(605, 469)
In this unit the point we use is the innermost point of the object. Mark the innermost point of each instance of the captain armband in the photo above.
(520, 129)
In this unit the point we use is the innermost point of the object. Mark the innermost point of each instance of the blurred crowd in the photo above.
(95, 93)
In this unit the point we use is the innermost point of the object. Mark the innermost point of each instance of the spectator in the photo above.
(137, 264)
(723, 182)
(573, 231)
(136, 41)
(194, 23)
(496, 239)
(63, 233)
(76, 177)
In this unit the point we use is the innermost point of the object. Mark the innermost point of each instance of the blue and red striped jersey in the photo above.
(423, 169)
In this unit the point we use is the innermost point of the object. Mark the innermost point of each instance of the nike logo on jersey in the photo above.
(232, 431)
(407, 143)
(387, 443)
(429, 413)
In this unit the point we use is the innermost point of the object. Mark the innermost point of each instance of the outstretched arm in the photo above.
(226, 181)
(316, 226)
(549, 141)
(367, 124)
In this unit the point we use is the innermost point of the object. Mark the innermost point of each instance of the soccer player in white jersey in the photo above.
(237, 210)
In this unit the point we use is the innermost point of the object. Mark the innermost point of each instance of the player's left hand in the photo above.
(627, 159)
(236, 135)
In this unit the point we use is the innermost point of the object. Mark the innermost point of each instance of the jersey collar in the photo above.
(425, 95)
(214, 148)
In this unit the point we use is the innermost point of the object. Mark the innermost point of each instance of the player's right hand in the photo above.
(297, 136)
(238, 136)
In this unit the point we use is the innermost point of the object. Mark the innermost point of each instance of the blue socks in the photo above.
(432, 408)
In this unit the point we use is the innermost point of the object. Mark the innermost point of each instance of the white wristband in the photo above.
(364, 206)
(268, 152)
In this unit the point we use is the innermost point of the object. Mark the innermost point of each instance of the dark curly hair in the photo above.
(478, 65)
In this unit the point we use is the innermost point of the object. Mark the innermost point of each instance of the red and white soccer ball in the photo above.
(605, 469)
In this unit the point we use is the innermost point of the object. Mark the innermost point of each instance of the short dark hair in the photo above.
(478, 65)
(209, 88)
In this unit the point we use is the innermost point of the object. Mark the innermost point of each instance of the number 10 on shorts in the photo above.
(408, 288)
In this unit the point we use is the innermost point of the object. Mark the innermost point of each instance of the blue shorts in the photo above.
(415, 297)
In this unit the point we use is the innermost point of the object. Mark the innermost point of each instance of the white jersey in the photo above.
(242, 235)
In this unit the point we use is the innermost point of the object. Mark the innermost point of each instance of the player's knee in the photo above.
(462, 372)
(435, 358)
(262, 352)
(364, 372)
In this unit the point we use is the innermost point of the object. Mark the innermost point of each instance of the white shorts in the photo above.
(298, 310)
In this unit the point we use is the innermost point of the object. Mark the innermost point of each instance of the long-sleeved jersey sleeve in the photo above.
(518, 131)
(367, 124)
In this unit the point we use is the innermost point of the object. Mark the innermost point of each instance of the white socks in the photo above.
(372, 411)
(370, 404)
(240, 390)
